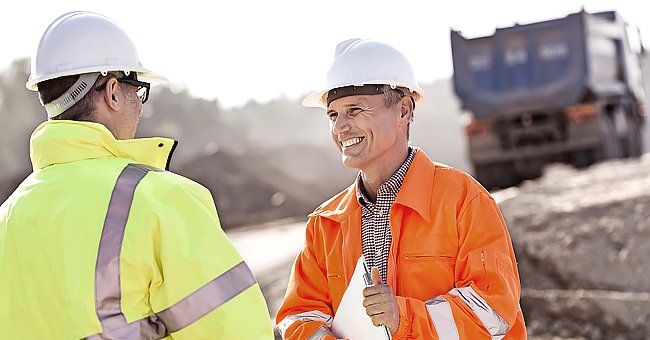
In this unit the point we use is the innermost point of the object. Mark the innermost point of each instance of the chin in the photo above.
(350, 162)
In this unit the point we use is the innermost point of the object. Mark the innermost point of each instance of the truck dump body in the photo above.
(542, 66)
(562, 90)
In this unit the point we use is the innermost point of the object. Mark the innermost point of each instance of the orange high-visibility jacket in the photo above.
(451, 264)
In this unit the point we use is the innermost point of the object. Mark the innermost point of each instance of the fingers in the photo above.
(378, 289)
(380, 303)
(378, 309)
(380, 314)
(376, 276)
(379, 298)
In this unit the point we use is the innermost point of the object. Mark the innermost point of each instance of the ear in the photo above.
(110, 95)
(406, 110)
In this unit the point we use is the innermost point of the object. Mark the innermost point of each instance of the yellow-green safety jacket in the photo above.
(100, 243)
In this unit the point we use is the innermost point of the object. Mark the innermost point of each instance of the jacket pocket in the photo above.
(426, 266)
(337, 287)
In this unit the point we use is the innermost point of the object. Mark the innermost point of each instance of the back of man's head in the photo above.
(50, 90)
(75, 49)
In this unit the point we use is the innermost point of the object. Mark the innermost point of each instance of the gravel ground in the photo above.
(582, 239)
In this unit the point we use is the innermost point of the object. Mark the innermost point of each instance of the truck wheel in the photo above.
(583, 158)
(633, 141)
(610, 144)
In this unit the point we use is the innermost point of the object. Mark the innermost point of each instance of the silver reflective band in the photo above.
(75, 93)
(107, 276)
(442, 318)
(313, 315)
(107, 270)
(320, 333)
(147, 328)
(208, 298)
(492, 321)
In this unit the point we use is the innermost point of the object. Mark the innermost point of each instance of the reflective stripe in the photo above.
(147, 328)
(107, 270)
(492, 321)
(320, 333)
(312, 315)
(208, 298)
(107, 276)
(442, 318)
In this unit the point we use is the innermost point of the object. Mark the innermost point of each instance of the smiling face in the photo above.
(370, 136)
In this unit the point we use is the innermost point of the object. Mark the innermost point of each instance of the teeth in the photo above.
(351, 141)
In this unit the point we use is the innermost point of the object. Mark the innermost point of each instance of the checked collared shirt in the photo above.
(375, 217)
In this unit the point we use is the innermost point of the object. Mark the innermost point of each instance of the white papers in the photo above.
(351, 320)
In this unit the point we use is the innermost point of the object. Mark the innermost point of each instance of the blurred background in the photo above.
(542, 102)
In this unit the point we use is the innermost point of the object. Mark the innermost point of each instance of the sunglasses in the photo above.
(142, 87)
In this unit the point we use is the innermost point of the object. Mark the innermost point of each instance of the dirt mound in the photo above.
(582, 240)
(256, 186)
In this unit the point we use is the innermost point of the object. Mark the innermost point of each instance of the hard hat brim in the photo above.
(143, 75)
(317, 99)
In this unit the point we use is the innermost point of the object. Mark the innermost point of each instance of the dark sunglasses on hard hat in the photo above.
(143, 87)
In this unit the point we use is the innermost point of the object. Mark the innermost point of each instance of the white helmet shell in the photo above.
(363, 61)
(85, 42)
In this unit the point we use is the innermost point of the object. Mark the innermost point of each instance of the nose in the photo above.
(340, 125)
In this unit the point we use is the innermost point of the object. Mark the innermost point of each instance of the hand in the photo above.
(380, 302)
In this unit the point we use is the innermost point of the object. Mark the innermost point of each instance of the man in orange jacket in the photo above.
(442, 258)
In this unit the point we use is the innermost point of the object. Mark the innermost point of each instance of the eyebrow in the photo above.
(349, 105)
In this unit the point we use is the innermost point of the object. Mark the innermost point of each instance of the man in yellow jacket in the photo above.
(442, 259)
(100, 241)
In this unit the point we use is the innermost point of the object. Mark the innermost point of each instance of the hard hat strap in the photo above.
(353, 90)
(74, 94)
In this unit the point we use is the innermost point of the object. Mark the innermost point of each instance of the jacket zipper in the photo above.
(415, 257)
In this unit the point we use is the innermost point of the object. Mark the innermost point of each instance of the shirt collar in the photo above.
(416, 193)
(392, 186)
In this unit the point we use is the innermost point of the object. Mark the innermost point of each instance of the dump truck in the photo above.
(564, 90)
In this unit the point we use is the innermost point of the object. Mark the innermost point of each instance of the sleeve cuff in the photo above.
(404, 327)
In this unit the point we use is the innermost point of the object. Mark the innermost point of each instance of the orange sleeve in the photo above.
(485, 299)
(307, 303)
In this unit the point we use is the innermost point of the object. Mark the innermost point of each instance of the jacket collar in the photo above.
(64, 141)
(417, 189)
(416, 192)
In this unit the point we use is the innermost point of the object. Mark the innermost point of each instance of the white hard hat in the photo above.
(85, 42)
(362, 61)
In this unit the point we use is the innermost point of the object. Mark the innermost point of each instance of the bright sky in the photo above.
(239, 50)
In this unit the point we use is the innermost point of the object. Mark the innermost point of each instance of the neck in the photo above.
(374, 178)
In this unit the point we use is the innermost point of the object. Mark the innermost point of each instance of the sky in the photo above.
(237, 51)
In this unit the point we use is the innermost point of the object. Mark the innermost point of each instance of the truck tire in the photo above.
(610, 143)
(583, 158)
(633, 143)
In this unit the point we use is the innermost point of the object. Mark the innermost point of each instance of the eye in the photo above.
(354, 111)
(332, 115)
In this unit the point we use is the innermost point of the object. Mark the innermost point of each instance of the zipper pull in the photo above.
(487, 286)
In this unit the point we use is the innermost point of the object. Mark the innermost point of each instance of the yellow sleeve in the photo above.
(202, 288)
